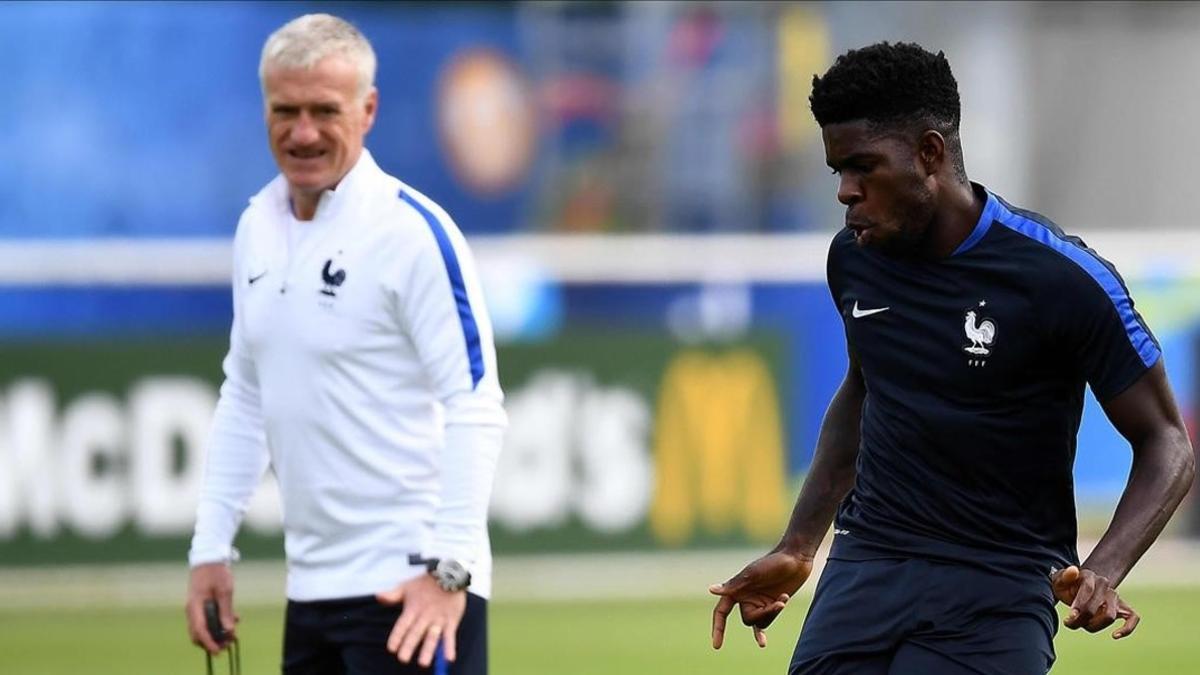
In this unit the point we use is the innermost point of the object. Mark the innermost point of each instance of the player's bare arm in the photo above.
(762, 588)
(1163, 468)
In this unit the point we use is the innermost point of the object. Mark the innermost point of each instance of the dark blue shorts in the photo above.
(915, 617)
(349, 637)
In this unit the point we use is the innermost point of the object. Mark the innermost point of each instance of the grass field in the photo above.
(655, 637)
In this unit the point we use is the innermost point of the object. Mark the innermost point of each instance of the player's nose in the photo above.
(849, 191)
(304, 131)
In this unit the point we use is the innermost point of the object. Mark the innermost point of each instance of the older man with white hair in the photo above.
(361, 370)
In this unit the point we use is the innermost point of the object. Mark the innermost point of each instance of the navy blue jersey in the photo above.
(975, 367)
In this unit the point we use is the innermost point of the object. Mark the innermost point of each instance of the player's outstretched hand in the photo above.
(1094, 603)
(429, 616)
(213, 581)
(761, 591)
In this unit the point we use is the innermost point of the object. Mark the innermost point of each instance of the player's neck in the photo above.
(304, 205)
(957, 214)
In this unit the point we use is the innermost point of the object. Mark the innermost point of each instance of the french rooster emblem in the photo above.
(331, 279)
(980, 334)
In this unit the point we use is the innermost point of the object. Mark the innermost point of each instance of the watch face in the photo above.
(451, 575)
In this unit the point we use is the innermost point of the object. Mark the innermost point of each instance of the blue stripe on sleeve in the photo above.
(1139, 337)
(465, 316)
(440, 665)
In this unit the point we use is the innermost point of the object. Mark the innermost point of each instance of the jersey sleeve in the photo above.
(444, 314)
(834, 273)
(237, 454)
(1097, 326)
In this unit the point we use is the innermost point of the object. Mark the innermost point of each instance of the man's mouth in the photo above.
(859, 229)
(306, 154)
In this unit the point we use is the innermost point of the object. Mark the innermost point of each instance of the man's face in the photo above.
(316, 121)
(889, 198)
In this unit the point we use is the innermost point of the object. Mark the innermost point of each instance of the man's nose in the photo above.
(849, 191)
(304, 131)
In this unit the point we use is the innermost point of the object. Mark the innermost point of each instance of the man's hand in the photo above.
(430, 614)
(760, 590)
(213, 581)
(1094, 603)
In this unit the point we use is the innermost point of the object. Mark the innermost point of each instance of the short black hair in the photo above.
(888, 84)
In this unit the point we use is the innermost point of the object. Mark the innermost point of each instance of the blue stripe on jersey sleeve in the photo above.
(440, 665)
(465, 316)
(1139, 337)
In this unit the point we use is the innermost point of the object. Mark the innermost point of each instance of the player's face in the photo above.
(316, 122)
(889, 201)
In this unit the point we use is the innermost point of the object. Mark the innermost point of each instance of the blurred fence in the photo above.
(145, 119)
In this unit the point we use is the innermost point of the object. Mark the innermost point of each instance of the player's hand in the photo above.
(760, 590)
(213, 581)
(429, 615)
(1094, 603)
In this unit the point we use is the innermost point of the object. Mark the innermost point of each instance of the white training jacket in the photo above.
(361, 368)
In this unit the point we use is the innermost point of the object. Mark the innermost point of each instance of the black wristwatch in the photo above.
(449, 573)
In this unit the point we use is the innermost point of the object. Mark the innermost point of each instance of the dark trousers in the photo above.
(349, 637)
(915, 617)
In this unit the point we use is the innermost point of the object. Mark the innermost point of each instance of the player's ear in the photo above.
(370, 104)
(931, 151)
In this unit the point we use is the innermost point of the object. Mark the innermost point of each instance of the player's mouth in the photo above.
(306, 155)
(858, 228)
(864, 231)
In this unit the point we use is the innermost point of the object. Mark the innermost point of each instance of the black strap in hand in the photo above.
(212, 617)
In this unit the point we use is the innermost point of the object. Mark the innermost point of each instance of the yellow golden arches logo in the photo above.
(718, 449)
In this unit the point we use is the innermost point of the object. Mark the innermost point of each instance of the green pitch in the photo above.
(560, 638)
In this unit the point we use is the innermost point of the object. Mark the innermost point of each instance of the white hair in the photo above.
(303, 42)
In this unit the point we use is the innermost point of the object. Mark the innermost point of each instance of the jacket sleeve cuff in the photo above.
(213, 554)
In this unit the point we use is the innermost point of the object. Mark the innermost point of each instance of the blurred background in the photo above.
(646, 196)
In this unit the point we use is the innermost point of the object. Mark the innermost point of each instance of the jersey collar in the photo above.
(990, 209)
(333, 201)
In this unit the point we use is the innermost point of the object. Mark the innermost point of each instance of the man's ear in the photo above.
(931, 151)
(371, 108)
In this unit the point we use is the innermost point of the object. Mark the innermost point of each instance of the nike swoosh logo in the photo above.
(254, 279)
(860, 313)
